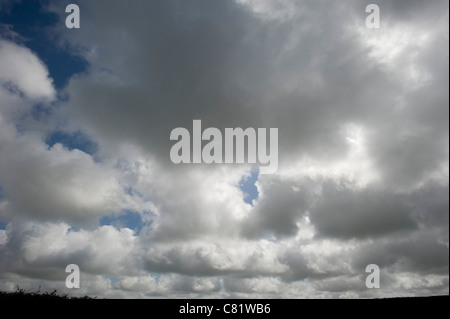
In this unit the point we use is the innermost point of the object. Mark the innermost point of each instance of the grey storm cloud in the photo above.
(422, 253)
(278, 212)
(363, 150)
(346, 212)
(230, 68)
(219, 63)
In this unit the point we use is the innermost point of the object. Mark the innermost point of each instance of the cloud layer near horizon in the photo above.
(363, 151)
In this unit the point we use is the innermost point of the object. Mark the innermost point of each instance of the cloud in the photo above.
(281, 206)
(421, 253)
(174, 71)
(215, 258)
(58, 184)
(23, 72)
(41, 182)
(46, 249)
(345, 212)
(363, 147)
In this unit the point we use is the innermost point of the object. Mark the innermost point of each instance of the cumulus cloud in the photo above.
(55, 183)
(345, 212)
(363, 151)
(23, 72)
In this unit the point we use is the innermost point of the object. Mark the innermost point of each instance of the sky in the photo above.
(363, 148)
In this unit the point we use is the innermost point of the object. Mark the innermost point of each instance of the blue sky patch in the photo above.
(248, 187)
(128, 219)
(72, 141)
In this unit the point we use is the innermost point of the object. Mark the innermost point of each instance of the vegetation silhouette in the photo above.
(23, 294)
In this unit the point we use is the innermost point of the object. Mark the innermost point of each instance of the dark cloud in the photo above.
(431, 206)
(423, 253)
(346, 212)
(298, 265)
(277, 212)
(363, 147)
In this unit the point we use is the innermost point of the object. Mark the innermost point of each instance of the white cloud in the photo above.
(363, 145)
(23, 72)
(55, 183)
(46, 249)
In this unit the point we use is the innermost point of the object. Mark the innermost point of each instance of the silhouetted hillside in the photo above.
(24, 295)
